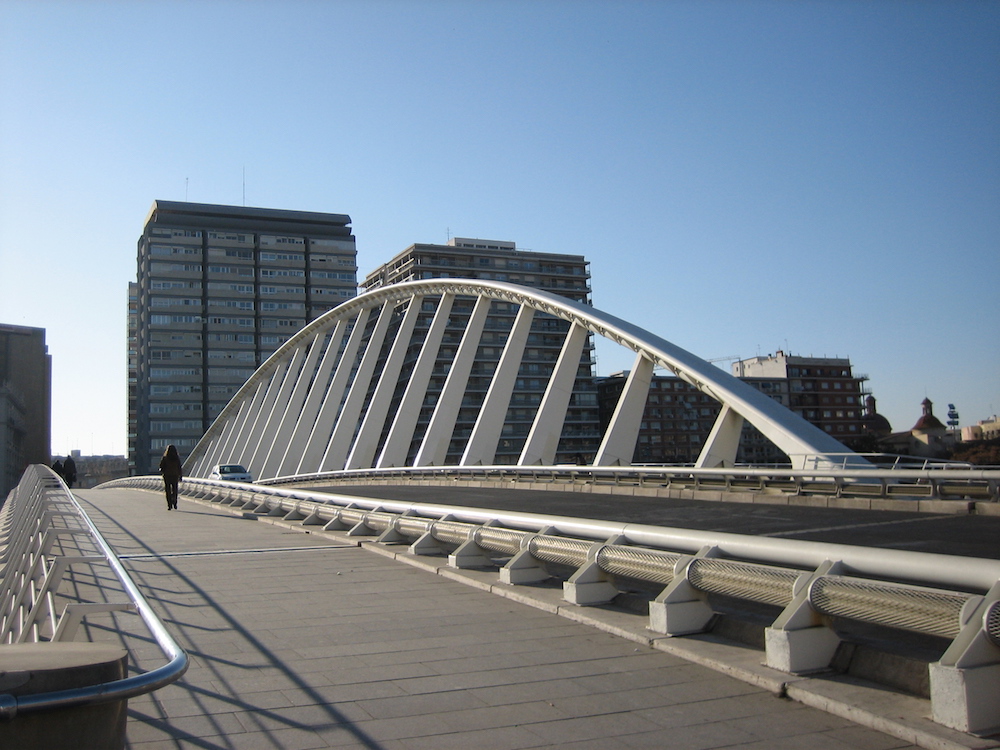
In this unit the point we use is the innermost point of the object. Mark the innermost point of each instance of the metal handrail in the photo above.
(926, 568)
(128, 687)
(984, 480)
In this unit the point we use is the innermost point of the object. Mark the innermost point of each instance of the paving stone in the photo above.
(299, 641)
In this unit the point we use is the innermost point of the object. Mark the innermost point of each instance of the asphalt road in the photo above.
(967, 535)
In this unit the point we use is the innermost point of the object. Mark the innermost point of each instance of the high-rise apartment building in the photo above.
(220, 288)
(25, 402)
(566, 275)
(822, 390)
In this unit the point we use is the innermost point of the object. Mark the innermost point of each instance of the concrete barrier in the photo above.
(33, 668)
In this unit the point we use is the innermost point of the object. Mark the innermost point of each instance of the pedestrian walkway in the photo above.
(306, 640)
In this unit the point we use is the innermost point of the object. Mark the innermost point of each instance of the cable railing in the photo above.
(44, 536)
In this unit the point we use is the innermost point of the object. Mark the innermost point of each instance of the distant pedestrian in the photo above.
(69, 471)
(170, 468)
(57, 467)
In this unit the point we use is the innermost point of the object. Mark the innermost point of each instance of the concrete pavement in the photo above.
(308, 640)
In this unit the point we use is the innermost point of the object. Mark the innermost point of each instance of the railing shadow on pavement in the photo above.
(48, 546)
(188, 595)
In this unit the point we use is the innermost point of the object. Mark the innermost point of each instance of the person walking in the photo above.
(69, 471)
(170, 468)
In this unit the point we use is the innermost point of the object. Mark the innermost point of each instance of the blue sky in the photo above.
(817, 177)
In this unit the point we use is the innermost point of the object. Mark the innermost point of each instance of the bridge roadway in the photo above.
(308, 640)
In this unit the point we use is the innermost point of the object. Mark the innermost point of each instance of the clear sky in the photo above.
(817, 177)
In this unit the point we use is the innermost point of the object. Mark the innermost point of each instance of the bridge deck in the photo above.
(309, 641)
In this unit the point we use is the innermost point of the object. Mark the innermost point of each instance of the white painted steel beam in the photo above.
(404, 424)
(619, 441)
(263, 416)
(226, 437)
(347, 421)
(273, 412)
(293, 408)
(482, 445)
(434, 447)
(315, 447)
(543, 437)
(242, 435)
(723, 442)
(362, 454)
(314, 400)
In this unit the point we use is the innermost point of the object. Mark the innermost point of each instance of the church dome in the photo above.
(872, 422)
(928, 421)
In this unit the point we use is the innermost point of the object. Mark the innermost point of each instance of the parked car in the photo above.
(230, 473)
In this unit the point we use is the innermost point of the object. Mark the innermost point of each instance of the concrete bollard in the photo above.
(33, 668)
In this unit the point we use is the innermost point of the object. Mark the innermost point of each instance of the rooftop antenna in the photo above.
(244, 185)
(185, 189)
(449, 234)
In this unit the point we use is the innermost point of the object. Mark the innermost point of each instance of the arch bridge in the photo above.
(472, 373)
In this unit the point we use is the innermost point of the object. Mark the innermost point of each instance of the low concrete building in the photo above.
(985, 429)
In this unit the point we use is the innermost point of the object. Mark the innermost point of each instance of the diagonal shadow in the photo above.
(269, 658)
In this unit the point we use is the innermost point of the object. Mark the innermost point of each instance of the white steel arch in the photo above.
(323, 401)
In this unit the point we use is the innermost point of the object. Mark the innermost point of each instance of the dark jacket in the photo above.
(170, 466)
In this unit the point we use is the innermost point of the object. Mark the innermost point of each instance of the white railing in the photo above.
(812, 584)
(926, 482)
(40, 523)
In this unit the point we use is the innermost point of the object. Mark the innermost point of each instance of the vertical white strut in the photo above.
(292, 407)
(257, 429)
(618, 444)
(434, 448)
(482, 445)
(723, 442)
(543, 438)
(241, 435)
(366, 443)
(347, 423)
(314, 398)
(397, 442)
(273, 412)
(224, 446)
(318, 438)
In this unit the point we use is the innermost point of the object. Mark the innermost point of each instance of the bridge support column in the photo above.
(799, 642)
(965, 684)
(32, 668)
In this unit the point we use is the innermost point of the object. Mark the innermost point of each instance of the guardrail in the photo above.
(39, 523)
(814, 585)
(933, 482)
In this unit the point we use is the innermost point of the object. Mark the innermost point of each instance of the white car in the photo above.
(230, 473)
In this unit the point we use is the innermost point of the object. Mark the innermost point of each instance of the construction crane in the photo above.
(730, 358)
